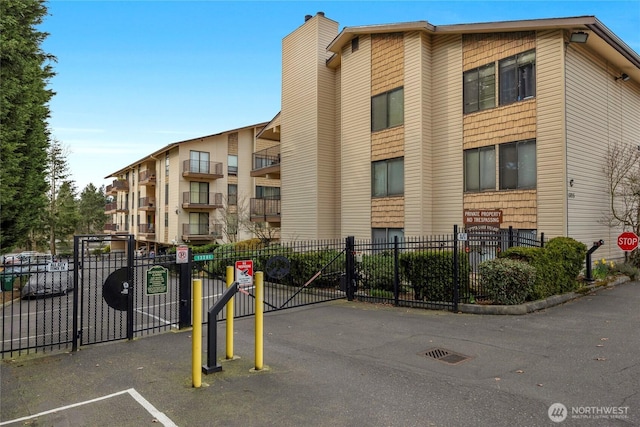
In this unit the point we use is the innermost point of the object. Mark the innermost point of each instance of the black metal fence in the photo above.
(97, 297)
(431, 272)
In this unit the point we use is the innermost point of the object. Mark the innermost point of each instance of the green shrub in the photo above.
(376, 271)
(507, 281)
(307, 264)
(557, 265)
(430, 274)
(628, 270)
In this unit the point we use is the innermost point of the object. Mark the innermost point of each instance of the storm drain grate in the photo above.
(446, 356)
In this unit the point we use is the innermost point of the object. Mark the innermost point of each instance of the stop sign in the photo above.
(627, 241)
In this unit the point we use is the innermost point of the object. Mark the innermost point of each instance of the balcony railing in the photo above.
(110, 227)
(147, 203)
(266, 162)
(146, 229)
(201, 231)
(147, 177)
(202, 169)
(201, 200)
(110, 207)
(265, 210)
(117, 185)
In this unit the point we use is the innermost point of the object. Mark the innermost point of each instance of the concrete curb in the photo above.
(532, 306)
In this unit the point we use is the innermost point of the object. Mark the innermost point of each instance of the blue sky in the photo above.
(134, 76)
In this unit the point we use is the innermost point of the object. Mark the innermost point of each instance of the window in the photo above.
(479, 88)
(518, 165)
(198, 223)
(480, 169)
(199, 193)
(232, 163)
(387, 110)
(383, 236)
(166, 164)
(166, 219)
(518, 77)
(232, 194)
(198, 162)
(355, 44)
(267, 192)
(387, 177)
(232, 224)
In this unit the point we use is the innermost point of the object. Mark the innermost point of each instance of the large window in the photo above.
(387, 109)
(518, 77)
(199, 193)
(480, 169)
(263, 192)
(387, 177)
(199, 162)
(386, 235)
(232, 163)
(198, 223)
(232, 194)
(518, 165)
(479, 88)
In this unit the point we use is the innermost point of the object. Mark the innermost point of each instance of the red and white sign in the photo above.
(182, 254)
(244, 272)
(628, 241)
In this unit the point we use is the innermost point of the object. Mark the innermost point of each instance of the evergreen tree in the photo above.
(67, 215)
(57, 172)
(24, 111)
(91, 206)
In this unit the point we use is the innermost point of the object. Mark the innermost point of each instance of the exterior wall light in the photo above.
(624, 77)
(579, 37)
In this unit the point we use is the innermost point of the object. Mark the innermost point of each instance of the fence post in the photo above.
(130, 290)
(542, 239)
(456, 279)
(396, 272)
(510, 236)
(76, 291)
(185, 293)
(350, 266)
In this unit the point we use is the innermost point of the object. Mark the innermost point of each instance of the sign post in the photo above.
(628, 241)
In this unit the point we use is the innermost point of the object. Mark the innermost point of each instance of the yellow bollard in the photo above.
(196, 341)
(259, 317)
(230, 315)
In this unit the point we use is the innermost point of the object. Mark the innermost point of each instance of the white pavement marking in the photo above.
(159, 416)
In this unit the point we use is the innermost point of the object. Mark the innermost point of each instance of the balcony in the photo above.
(196, 200)
(110, 208)
(201, 169)
(147, 204)
(110, 227)
(117, 185)
(201, 232)
(266, 163)
(148, 178)
(264, 210)
(147, 231)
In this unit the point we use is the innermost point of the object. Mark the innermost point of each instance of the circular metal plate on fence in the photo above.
(115, 290)
(277, 267)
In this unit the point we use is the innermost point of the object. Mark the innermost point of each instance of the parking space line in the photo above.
(159, 416)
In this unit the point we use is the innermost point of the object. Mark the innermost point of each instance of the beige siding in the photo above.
(356, 140)
(550, 141)
(446, 163)
(337, 211)
(328, 225)
(244, 150)
(418, 178)
(600, 114)
(304, 133)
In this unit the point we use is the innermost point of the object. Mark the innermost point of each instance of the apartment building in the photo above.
(401, 129)
(198, 191)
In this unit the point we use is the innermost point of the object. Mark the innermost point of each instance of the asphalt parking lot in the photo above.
(352, 364)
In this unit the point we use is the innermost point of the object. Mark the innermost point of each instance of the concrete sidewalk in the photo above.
(353, 364)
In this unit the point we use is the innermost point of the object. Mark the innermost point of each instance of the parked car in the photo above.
(48, 283)
(29, 264)
(141, 252)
